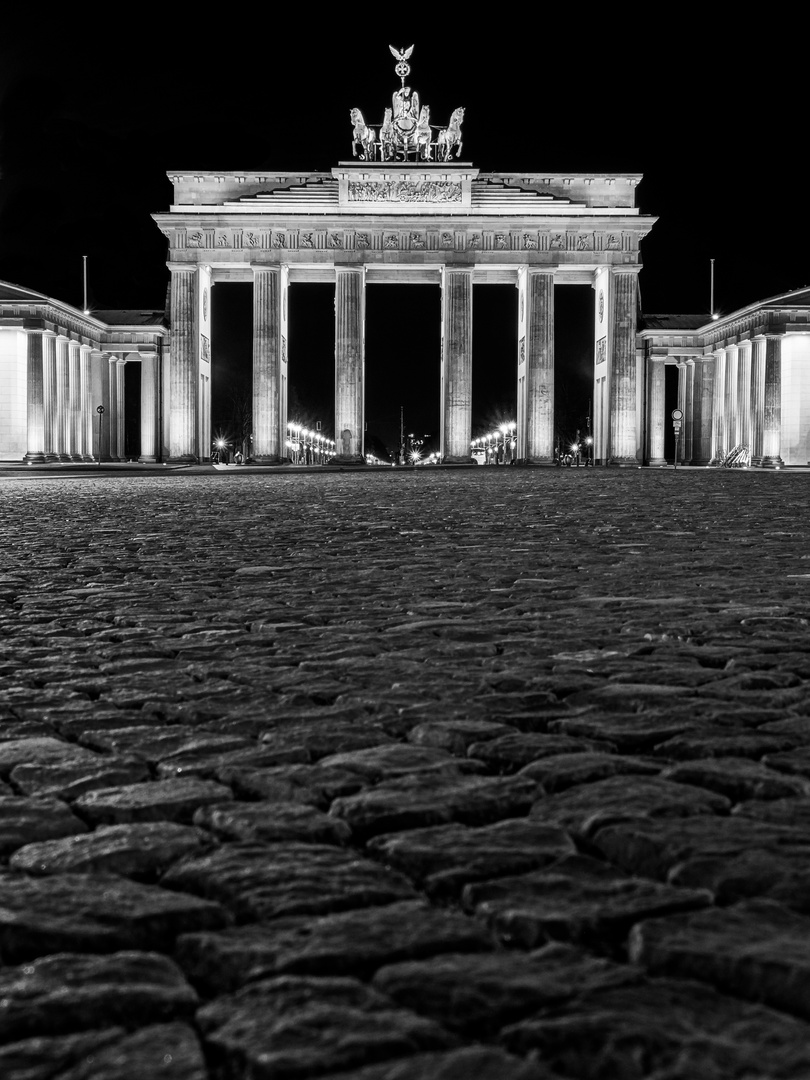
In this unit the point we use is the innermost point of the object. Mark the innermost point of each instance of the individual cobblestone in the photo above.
(401, 727)
(93, 913)
(157, 1051)
(441, 860)
(24, 820)
(347, 943)
(141, 851)
(293, 1027)
(69, 992)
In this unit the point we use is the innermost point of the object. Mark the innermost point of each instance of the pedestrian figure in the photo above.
(237, 457)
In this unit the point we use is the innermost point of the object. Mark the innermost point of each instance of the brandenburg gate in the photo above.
(407, 210)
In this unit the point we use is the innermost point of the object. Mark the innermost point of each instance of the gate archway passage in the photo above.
(425, 222)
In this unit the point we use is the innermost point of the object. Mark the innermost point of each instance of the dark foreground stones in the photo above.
(290, 1028)
(266, 881)
(69, 992)
(486, 774)
(476, 995)
(348, 943)
(759, 950)
(93, 913)
(669, 1028)
(157, 1051)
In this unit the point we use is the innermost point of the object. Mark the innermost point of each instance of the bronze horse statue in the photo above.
(450, 137)
(363, 137)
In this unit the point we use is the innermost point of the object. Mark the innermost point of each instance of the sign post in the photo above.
(677, 417)
(100, 411)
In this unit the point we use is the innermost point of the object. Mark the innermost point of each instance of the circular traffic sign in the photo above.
(677, 414)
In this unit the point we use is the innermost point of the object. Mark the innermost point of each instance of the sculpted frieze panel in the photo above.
(530, 241)
(601, 350)
(556, 241)
(399, 191)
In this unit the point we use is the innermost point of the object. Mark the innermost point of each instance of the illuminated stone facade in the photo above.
(743, 383)
(443, 223)
(58, 366)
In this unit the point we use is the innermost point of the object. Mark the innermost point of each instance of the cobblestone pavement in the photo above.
(490, 774)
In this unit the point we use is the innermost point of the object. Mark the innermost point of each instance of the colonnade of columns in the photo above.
(66, 383)
(729, 398)
(535, 371)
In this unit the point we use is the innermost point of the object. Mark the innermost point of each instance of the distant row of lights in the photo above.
(301, 439)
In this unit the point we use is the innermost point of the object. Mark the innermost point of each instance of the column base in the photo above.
(774, 462)
(348, 459)
(657, 461)
(624, 462)
(536, 462)
(267, 459)
(35, 457)
(148, 459)
(182, 459)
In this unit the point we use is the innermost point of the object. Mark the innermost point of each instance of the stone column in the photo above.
(702, 412)
(539, 443)
(679, 439)
(111, 415)
(757, 398)
(184, 367)
(456, 373)
(62, 400)
(718, 407)
(623, 327)
(49, 393)
(744, 395)
(149, 407)
(75, 403)
(688, 411)
(350, 318)
(100, 395)
(730, 400)
(120, 407)
(656, 411)
(35, 392)
(772, 406)
(268, 434)
(87, 410)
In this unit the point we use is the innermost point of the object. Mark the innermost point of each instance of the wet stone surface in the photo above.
(478, 780)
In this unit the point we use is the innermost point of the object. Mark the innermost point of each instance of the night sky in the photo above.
(92, 117)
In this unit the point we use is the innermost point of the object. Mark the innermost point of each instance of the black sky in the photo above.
(93, 116)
